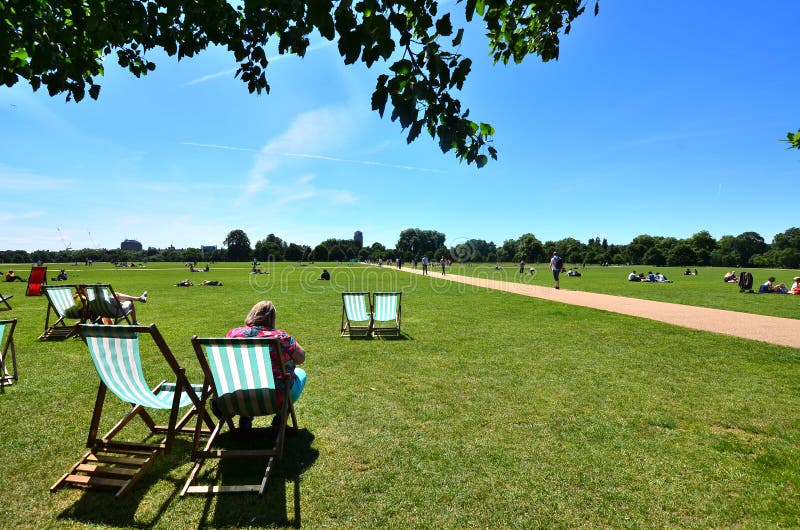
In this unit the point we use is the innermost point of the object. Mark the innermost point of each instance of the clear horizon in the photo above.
(664, 121)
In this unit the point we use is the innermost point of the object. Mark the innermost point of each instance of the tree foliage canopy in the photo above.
(61, 45)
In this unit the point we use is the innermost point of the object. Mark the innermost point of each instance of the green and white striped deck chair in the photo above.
(61, 304)
(103, 303)
(386, 318)
(7, 346)
(356, 315)
(115, 352)
(239, 375)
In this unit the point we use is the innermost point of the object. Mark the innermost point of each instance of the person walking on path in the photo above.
(424, 265)
(522, 267)
(556, 263)
(443, 263)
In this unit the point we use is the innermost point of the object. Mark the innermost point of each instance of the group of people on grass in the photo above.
(770, 287)
(649, 277)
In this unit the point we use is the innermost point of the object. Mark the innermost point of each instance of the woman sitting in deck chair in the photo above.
(260, 322)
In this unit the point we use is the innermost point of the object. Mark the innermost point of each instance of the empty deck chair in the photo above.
(103, 303)
(239, 374)
(356, 313)
(36, 280)
(4, 298)
(7, 346)
(117, 464)
(61, 306)
(386, 315)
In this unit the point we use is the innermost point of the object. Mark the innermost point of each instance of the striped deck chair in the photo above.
(36, 279)
(356, 318)
(7, 346)
(239, 374)
(61, 306)
(117, 464)
(4, 300)
(386, 318)
(103, 303)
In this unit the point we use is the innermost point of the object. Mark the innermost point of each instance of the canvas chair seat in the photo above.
(103, 303)
(118, 464)
(36, 279)
(386, 318)
(357, 317)
(239, 375)
(7, 347)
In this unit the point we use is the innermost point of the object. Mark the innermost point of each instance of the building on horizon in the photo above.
(130, 244)
(358, 237)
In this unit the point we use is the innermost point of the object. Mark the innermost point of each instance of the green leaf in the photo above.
(443, 26)
(458, 38)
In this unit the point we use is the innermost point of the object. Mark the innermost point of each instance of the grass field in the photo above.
(492, 411)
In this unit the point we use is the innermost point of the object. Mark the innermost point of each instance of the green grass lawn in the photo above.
(705, 290)
(493, 411)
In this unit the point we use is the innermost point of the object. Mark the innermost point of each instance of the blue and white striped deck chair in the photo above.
(103, 303)
(61, 304)
(118, 464)
(239, 375)
(356, 316)
(7, 346)
(386, 317)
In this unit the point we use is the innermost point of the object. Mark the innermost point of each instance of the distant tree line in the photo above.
(746, 249)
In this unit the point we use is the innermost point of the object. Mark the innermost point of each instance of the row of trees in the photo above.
(746, 249)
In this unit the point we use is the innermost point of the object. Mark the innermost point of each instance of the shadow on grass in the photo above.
(99, 506)
(283, 488)
(381, 336)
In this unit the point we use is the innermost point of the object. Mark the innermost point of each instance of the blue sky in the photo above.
(659, 118)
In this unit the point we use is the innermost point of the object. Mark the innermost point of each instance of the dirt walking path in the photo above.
(775, 330)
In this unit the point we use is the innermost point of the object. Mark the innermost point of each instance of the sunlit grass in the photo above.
(493, 410)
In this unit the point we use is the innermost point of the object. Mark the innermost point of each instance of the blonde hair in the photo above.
(262, 314)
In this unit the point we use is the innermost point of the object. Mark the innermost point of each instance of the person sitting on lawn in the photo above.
(651, 277)
(325, 275)
(573, 273)
(632, 277)
(11, 277)
(661, 278)
(730, 277)
(61, 276)
(260, 322)
(770, 287)
(795, 288)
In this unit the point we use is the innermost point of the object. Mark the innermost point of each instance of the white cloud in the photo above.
(10, 217)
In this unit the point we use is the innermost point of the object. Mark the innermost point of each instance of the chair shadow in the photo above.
(402, 336)
(249, 509)
(381, 336)
(100, 507)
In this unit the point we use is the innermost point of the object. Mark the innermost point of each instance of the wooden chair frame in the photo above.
(59, 299)
(4, 300)
(235, 354)
(348, 328)
(6, 378)
(119, 464)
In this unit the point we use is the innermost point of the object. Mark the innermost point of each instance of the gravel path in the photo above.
(775, 330)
